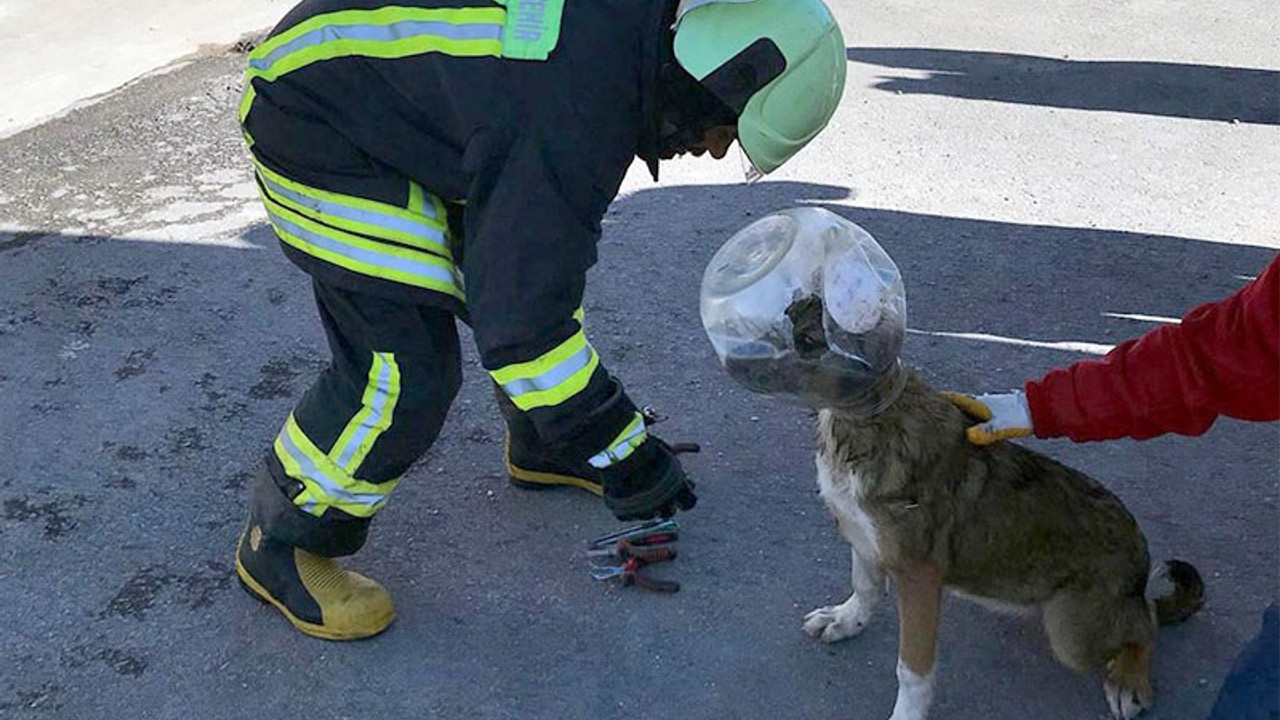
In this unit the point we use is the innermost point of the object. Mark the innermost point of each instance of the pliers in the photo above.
(634, 548)
(630, 559)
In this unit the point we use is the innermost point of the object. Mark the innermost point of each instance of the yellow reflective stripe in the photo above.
(359, 215)
(308, 502)
(389, 32)
(381, 393)
(621, 447)
(246, 100)
(380, 16)
(551, 378)
(544, 363)
(325, 484)
(438, 210)
(417, 199)
(561, 392)
(362, 255)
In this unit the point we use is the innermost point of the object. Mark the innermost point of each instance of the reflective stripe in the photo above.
(379, 403)
(362, 255)
(325, 484)
(423, 203)
(552, 378)
(623, 445)
(246, 101)
(367, 217)
(389, 32)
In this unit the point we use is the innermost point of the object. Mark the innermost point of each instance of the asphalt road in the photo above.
(152, 339)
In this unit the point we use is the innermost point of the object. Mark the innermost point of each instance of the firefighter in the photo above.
(431, 161)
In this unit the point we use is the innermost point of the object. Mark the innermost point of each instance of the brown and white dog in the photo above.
(1000, 524)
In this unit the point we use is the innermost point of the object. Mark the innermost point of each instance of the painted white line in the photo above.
(1143, 318)
(1066, 345)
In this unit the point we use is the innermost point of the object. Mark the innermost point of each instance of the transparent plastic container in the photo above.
(805, 306)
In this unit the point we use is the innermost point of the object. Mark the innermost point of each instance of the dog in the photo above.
(1000, 524)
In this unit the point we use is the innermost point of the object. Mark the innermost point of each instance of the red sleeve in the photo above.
(1223, 359)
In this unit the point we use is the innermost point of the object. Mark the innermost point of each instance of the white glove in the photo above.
(1001, 415)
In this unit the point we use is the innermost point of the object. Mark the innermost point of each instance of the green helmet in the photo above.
(779, 64)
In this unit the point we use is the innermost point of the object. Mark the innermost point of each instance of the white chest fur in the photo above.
(842, 488)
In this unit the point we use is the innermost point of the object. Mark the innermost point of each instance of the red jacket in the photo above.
(1223, 359)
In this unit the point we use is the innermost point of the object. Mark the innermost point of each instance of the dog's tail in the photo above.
(1186, 597)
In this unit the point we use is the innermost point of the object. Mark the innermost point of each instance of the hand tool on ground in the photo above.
(632, 549)
(629, 570)
(654, 548)
(635, 533)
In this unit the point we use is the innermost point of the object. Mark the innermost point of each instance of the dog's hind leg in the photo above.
(1089, 630)
(919, 608)
(837, 622)
(1128, 685)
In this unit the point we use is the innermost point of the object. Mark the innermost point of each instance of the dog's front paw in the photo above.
(834, 623)
(1126, 702)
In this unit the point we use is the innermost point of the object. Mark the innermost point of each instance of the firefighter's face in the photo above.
(715, 140)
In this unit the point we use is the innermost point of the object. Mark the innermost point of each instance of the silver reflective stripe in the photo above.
(360, 215)
(552, 377)
(426, 205)
(621, 449)
(378, 33)
(330, 487)
(411, 267)
(376, 414)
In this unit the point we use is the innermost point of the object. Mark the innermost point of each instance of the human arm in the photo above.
(1222, 359)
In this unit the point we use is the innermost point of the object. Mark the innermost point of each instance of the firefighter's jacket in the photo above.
(463, 154)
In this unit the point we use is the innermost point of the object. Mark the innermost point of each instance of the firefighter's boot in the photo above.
(313, 592)
(532, 465)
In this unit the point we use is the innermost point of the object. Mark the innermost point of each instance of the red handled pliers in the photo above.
(631, 549)
(631, 557)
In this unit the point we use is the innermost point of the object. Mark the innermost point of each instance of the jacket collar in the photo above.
(656, 53)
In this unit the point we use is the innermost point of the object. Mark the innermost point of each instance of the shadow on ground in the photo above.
(1201, 92)
(140, 379)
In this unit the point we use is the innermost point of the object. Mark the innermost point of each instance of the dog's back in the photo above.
(1003, 522)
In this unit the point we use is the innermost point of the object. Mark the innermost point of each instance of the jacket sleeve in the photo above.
(531, 227)
(1222, 359)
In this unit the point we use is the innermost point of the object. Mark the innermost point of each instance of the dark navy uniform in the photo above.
(430, 161)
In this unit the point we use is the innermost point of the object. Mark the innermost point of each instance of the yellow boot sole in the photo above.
(308, 628)
(537, 480)
(542, 480)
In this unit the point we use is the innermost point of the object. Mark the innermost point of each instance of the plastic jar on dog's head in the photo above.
(805, 306)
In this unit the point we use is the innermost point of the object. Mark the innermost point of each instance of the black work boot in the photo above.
(531, 465)
(312, 591)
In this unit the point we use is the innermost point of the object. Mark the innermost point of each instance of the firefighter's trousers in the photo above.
(368, 417)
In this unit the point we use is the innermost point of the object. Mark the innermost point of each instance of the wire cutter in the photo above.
(631, 549)
(630, 557)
